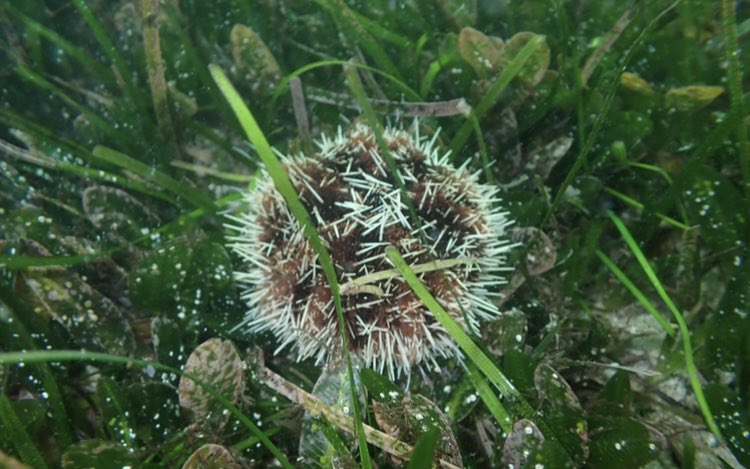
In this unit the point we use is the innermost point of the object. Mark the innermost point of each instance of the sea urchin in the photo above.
(457, 245)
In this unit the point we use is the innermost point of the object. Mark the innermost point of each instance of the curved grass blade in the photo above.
(12, 262)
(10, 358)
(684, 331)
(645, 302)
(285, 187)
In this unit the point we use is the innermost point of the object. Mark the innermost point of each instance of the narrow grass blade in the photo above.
(634, 203)
(12, 262)
(11, 358)
(684, 331)
(285, 187)
(46, 85)
(149, 173)
(474, 353)
(80, 55)
(496, 408)
(45, 377)
(612, 88)
(645, 302)
(493, 94)
(734, 79)
(350, 26)
(109, 50)
(15, 432)
(410, 93)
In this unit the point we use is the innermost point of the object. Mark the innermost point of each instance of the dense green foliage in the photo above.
(617, 131)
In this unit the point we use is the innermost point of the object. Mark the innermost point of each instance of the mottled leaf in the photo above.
(483, 53)
(97, 453)
(412, 417)
(254, 60)
(533, 71)
(524, 439)
(122, 216)
(687, 98)
(633, 82)
(506, 333)
(91, 319)
(542, 159)
(212, 456)
(214, 362)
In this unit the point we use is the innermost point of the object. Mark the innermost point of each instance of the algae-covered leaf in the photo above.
(92, 320)
(411, 417)
(688, 98)
(633, 82)
(214, 362)
(483, 53)
(212, 456)
(119, 213)
(254, 60)
(320, 442)
(535, 67)
(97, 453)
(506, 333)
(524, 439)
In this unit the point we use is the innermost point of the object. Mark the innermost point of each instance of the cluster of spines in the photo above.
(358, 211)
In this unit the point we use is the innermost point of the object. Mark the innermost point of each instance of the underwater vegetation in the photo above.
(374, 234)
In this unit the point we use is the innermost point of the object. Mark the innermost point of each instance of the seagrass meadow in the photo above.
(402, 233)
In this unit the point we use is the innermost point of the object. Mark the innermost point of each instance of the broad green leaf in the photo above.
(622, 443)
(562, 411)
(733, 418)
